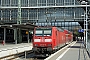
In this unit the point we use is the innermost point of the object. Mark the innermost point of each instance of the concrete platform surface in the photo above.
(73, 51)
(9, 49)
(76, 52)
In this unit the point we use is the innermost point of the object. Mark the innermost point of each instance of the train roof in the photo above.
(59, 28)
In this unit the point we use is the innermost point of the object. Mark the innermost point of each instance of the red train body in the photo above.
(49, 39)
(69, 36)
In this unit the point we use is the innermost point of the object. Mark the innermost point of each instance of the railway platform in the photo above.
(73, 51)
(11, 49)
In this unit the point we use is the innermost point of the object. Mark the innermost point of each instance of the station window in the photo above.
(5, 2)
(14, 2)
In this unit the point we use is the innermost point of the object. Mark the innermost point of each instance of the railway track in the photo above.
(28, 55)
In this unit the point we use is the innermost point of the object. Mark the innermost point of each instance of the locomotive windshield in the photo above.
(43, 32)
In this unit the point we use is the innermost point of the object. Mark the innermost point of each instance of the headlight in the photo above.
(36, 40)
(48, 40)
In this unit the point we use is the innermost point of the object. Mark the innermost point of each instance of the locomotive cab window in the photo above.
(47, 32)
(39, 32)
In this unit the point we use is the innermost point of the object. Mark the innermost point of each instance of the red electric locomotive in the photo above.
(48, 39)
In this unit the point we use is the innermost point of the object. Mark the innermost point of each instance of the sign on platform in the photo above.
(81, 30)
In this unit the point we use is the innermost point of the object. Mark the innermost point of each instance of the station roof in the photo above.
(22, 26)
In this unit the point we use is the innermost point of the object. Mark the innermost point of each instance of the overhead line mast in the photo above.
(19, 36)
(19, 12)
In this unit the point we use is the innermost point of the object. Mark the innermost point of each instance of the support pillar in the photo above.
(28, 37)
(19, 35)
(4, 41)
(15, 35)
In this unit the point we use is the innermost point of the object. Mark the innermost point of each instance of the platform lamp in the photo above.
(84, 2)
